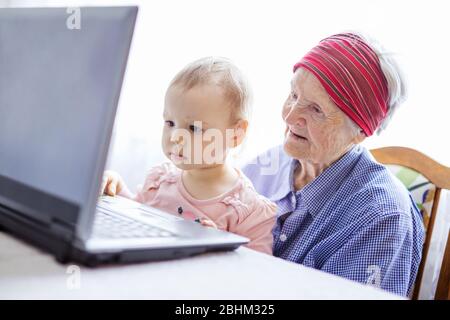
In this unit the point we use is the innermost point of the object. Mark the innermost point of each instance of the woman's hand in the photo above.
(112, 183)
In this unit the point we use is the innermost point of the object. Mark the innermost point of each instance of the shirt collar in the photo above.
(316, 193)
(286, 181)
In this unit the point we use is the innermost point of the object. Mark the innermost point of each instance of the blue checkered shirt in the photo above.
(355, 220)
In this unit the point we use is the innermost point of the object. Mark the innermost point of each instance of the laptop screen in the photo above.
(59, 84)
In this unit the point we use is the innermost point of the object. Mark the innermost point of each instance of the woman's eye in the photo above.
(294, 95)
(316, 109)
(169, 123)
(195, 129)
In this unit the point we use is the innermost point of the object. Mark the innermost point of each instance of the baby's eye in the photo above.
(195, 129)
(169, 123)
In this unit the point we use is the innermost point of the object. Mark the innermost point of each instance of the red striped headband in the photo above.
(350, 72)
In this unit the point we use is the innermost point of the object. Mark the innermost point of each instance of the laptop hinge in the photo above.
(62, 229)
(55, 236)
(56, 226)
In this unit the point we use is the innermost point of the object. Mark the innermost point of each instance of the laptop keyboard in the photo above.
(108, 224)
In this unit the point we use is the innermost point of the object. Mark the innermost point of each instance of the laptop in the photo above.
(61, 72)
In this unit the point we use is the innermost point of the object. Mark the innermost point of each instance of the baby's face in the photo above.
(196, 124)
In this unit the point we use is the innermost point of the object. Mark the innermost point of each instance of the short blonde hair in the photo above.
(223, 73)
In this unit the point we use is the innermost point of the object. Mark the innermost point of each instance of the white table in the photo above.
(28, 273)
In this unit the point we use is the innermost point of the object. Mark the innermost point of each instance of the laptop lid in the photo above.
(61, 72)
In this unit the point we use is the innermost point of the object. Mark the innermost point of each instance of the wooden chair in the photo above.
(434, 177)
(443, 286)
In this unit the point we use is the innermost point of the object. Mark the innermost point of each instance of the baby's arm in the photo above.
(125, 192)
(258, 225)
(147, 193)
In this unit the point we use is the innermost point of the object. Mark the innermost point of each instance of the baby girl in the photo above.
(205, 116)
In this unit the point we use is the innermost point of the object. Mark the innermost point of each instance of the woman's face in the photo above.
(316, 129)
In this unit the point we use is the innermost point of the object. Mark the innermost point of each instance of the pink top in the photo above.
(241, 210)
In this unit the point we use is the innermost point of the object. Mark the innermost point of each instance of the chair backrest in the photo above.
(424, 178)
(443, 286)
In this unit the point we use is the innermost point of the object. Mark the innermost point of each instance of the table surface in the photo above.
(28, 273)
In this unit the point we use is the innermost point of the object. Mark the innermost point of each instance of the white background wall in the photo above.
(265, 38)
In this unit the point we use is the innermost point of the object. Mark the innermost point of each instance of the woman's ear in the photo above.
(359, 137)
(239, 133)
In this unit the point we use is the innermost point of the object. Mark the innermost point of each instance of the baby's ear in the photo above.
(240, 130)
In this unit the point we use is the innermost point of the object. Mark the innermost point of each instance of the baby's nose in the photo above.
(177, 138)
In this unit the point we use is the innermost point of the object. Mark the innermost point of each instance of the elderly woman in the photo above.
(339, 210)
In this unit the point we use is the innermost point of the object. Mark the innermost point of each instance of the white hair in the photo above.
(396, 82)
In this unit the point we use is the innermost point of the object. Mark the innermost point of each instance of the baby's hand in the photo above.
(112, 183)
(208, 223)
